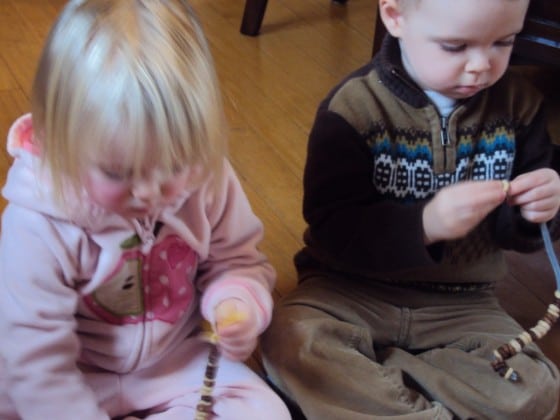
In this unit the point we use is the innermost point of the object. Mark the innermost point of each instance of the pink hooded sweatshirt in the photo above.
(81, 284)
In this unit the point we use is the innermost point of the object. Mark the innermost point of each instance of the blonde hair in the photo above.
(133, 73)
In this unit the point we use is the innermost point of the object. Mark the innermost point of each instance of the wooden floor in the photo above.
(272, 85)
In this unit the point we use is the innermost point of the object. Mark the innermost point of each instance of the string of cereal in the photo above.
(204, 406)
(506, 351)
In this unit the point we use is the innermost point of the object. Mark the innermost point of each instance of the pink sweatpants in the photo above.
(170, 389)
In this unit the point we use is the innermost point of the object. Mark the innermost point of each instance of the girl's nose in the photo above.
(146, 189)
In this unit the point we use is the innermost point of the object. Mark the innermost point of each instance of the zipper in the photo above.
(444, 136)
(144, 228)
(444, 132)
(403, 79)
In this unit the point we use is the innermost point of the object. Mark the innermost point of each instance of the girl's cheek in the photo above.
(171, 190)
(176, 185)
(106, 194)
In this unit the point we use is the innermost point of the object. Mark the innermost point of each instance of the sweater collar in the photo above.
(391, 71)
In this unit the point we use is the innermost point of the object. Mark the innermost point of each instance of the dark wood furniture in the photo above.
(253, 16)
(539, 42)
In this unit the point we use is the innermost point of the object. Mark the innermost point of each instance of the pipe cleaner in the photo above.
(505, 351)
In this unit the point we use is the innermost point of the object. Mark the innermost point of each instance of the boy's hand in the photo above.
(456, 209)
(537, 193)
(236, 329)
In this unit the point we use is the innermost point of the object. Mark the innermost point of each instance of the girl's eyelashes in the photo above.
(116, 174)
(175, 169)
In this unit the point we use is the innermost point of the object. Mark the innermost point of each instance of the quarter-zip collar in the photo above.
(389, 66)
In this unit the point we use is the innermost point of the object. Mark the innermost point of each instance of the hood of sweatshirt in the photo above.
(29, 185)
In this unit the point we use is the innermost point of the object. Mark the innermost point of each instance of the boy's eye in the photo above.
(505, 42)
(453, 47)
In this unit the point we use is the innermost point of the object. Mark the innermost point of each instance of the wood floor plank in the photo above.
(7, 80)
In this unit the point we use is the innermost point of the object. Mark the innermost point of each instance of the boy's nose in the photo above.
(478, 62)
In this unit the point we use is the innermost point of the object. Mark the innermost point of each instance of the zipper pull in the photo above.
(444, 134)
(146, 234)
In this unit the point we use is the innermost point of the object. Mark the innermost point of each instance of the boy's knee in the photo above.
(290, 339)
(280, 334)
(536, 396)
(546, 392)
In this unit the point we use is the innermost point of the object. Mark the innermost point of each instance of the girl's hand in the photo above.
(456, 209)
(537, 193)
(236, 328)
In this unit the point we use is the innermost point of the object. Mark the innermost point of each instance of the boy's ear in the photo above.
(391, 15)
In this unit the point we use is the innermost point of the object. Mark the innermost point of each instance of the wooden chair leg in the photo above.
(254, 13)
(253, 16)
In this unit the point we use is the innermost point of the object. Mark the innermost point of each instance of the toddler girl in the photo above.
(126, 227)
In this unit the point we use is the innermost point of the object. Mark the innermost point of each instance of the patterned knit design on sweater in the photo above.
(403, 161)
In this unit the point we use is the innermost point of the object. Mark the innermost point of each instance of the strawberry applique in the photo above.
(155, 286)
